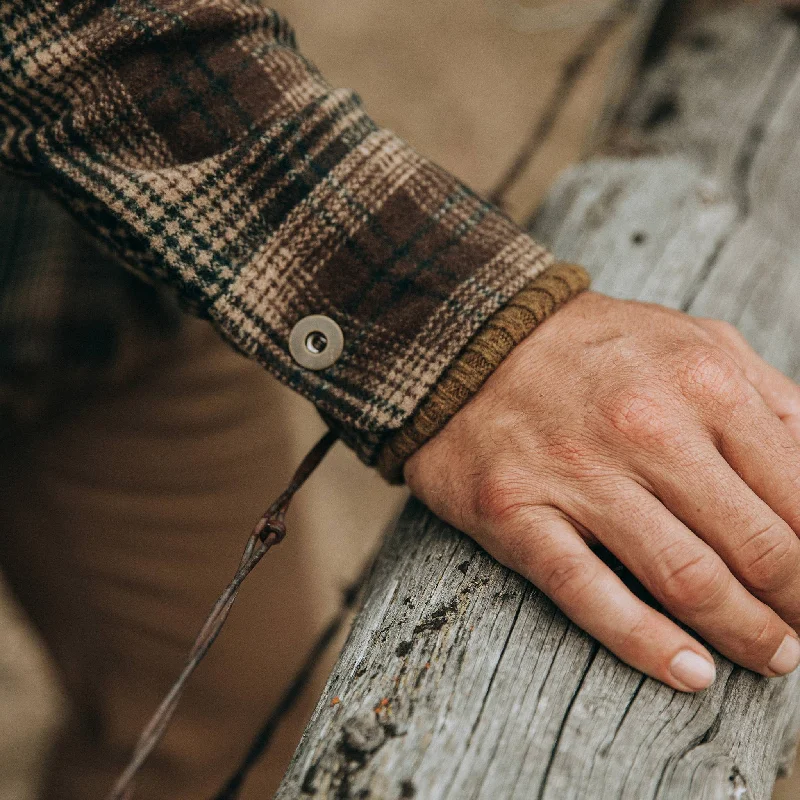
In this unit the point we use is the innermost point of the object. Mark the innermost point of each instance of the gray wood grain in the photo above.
(460, 679)
(647, 16)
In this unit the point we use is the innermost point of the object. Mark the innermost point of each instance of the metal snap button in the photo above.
(316, 342)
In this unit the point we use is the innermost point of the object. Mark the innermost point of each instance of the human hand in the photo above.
(664, 438)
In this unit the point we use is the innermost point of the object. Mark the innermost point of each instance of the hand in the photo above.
(666, 439)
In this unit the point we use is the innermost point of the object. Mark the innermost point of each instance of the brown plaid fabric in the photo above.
(195, 142)
(71, 320)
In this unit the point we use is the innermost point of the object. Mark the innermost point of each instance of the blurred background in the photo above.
(465, 82)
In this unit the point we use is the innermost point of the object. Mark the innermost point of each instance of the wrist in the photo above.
(524, 312)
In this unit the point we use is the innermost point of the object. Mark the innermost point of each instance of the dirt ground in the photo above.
(458, 81)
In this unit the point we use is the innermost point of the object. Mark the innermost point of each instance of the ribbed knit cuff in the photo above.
(527, 309)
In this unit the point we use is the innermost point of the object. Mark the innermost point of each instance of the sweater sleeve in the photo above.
(201, 148)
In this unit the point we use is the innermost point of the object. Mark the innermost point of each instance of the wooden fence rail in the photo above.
(459, 679)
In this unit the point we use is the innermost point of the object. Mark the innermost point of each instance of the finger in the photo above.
(780, 393)
(552, 555)
(758, 546)
(689, 579)
(763, 452)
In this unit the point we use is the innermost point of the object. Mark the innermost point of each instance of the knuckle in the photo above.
(690, 579)
(762, 640)
(631, 636)
(638, 415)
(768, 557)
(708, 371)
(501, 493)
(567, 577)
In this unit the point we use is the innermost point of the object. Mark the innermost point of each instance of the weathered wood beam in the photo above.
(460, 679)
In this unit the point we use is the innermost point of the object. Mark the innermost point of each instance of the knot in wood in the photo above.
(363, 734)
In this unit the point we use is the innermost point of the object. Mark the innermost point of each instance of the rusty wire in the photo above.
(233, 786)
(571, 71)
(269, 530)
(525, 18)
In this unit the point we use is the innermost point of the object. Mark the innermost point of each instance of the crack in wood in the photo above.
(573, 699)
(488, 692)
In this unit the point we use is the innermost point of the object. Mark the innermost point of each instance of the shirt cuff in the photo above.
(525, 311)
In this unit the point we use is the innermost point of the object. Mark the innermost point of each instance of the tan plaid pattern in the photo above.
(71, 320)
(196, 143)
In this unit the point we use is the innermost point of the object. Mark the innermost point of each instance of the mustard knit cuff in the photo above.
(544, 295)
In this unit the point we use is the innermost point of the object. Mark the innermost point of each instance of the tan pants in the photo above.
(122, 521)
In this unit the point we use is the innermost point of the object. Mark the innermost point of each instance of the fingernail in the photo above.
(786, 657)
(693, 670)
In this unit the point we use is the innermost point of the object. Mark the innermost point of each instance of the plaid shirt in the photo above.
(202, 150)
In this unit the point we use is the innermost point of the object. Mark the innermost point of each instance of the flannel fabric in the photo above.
(206, 153)
(71, 322)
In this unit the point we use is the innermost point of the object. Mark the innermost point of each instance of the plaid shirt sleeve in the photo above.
(199, 146)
